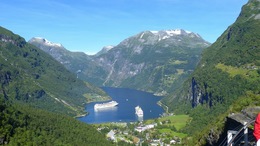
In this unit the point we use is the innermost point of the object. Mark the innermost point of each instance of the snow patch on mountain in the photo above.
(173, 32)
(166, 34)
(107, 48)
(46, 42)
(142, 35)
(154, 32)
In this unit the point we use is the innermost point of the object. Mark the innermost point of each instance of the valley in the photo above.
(153, 61)
(205, 89)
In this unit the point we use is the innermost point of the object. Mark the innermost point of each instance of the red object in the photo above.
(257, 127)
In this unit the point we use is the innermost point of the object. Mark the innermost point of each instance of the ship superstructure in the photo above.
(139, 112)
(105, 105)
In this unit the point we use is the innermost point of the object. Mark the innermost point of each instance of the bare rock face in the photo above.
(56, 50)
(246, 115)
(149, 59)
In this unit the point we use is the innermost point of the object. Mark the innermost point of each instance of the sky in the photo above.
(89, 25)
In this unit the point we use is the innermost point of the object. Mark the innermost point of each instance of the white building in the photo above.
(111, 135)
(143, 128)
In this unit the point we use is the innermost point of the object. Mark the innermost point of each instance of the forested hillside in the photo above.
(29, 75)
(24, 125)
(226, 80)
(36, 96)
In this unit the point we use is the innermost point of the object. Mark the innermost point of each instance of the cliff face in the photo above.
(197, 96)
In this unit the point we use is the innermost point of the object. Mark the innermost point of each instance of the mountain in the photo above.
(104, 50)
(156, 61)
(54, 49)
(226, 80)
(31, 76)
(77, 62)
(36, 96)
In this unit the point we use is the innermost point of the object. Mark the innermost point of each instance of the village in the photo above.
(164, 131)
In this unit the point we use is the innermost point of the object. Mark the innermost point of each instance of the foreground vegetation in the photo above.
(24, 125)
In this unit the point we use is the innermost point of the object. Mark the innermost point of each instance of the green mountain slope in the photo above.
(29, 75)
(77, 62)
(226, 80)
(35, 94)
(24, 125)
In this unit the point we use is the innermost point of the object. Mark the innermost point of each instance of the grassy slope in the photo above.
(176, 121)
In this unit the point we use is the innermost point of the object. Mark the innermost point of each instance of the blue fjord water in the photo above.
(128, 99)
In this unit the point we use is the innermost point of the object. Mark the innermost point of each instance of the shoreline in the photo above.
(81, 115)
(109, 98)
(165, 107)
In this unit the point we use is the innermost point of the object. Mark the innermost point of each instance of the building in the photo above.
(111, 135)
(143, 128)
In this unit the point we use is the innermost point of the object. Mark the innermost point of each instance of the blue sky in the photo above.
(88, 25)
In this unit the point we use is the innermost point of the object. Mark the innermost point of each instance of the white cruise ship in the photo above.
(139, 112)
(105, 105)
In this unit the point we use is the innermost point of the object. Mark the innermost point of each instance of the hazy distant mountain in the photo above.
(156, 61)
(226, 81)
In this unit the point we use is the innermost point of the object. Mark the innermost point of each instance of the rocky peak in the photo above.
(176, 37)
(250, 11)
(105, 50)
(56, 50)
(44, 41)
(173, 32)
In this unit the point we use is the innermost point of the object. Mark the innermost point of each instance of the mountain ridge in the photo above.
(30, 75)
(38, 98)
(120, 66)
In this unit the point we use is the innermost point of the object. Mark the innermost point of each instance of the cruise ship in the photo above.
(105, 105)
(139, 112)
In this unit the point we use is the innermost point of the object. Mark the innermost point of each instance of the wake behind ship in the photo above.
(105, 105)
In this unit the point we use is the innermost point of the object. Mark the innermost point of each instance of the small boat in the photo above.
(139, 112)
